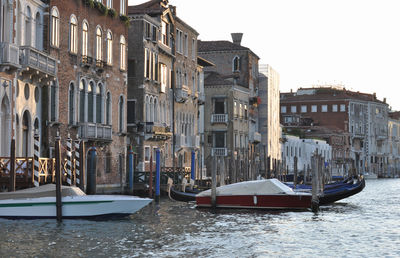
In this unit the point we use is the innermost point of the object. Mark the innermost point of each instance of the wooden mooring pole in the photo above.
(315, 183)
(58, 178)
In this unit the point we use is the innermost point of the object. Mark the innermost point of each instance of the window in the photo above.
(71, 103)
(55, 30)
(146, 153)
(334, 108)
(82, 86)
(314, 108)
(245, 111)
(219, 106)
(219, 138)
(122, 7)
(324, 108)
(99, 53)
(164, 33)
(108, 108)
(235, 111)
(342, 108)
(122, 45)
(185, 44)
(90, 97)
(109, 47)
(147, 63)
(131, 112)
(53, 99)
(164, 78)
(73, 35)
(283, 109)
(179, 41)
(109, 3)
(121, 113)
(85, 29)
(98, 103)
(293, 109)
(303, 109)
(236, 64)
(240, 110)
(193, 49)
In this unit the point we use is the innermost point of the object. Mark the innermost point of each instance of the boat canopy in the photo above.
(257, 187)
(48, 190)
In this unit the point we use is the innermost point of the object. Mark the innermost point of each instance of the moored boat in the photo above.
(259, 194)
(177, 195)
(40, 202)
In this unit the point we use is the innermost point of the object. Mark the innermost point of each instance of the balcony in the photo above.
(255, 137)
(95, 132)
(219, 152)
(219, 118)
(157, 133)
(86, 61)
(9, 55)
(182, 94)
(38, 61)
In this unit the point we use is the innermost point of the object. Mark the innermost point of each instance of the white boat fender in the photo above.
(255, 199)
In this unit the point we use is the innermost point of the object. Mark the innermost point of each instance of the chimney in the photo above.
(237, 38)
(384, 100)
(173, 9)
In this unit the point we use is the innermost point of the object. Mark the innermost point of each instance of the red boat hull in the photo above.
(258, 202)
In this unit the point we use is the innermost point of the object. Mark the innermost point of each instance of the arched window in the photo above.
(155, 111)
(73, 35)
(39, 32)
(53, 101)
(71, 108)
(147, 101)
(91, 97)
(121, 114)
(55, 30)
(28, 26)
(109, 47)
(109, 3)
(151, 110)
(122, 7)
(99, 52)
(108, 108)
(122, 45)
(5, 128)
(85, 39)
(236, 64)
(98, 103)
(82, 86)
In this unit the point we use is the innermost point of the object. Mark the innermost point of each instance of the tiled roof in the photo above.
(214, 78)
(150, 7)
(328, 94)
(219, 45)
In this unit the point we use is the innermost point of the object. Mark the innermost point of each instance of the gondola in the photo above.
(331, 195)
(186, 196)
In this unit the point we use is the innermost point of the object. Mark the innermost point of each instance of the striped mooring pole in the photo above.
(77, 145)
(69, 160)
(36, 155)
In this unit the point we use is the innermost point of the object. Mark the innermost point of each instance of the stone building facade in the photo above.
(231, 124)
(88, 99)
(394, 144)
(359, 116)
(150, 82)
(268, 115)
(27, 72)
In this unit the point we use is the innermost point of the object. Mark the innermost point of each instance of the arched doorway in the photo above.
(5, 126)
(26, 134)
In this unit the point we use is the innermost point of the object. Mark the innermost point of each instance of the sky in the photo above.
(355, 43)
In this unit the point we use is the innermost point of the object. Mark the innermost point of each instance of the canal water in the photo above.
(364, 225)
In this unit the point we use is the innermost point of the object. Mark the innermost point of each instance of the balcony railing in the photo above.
(255, 137)
(219, 152)
(95, 132)
(37, 60)
(219, 118)
(182, 94)
(86, 61)
(156, 132)
(9, 54)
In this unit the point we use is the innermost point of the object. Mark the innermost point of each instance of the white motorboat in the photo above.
(40, 202)
(258, 194)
